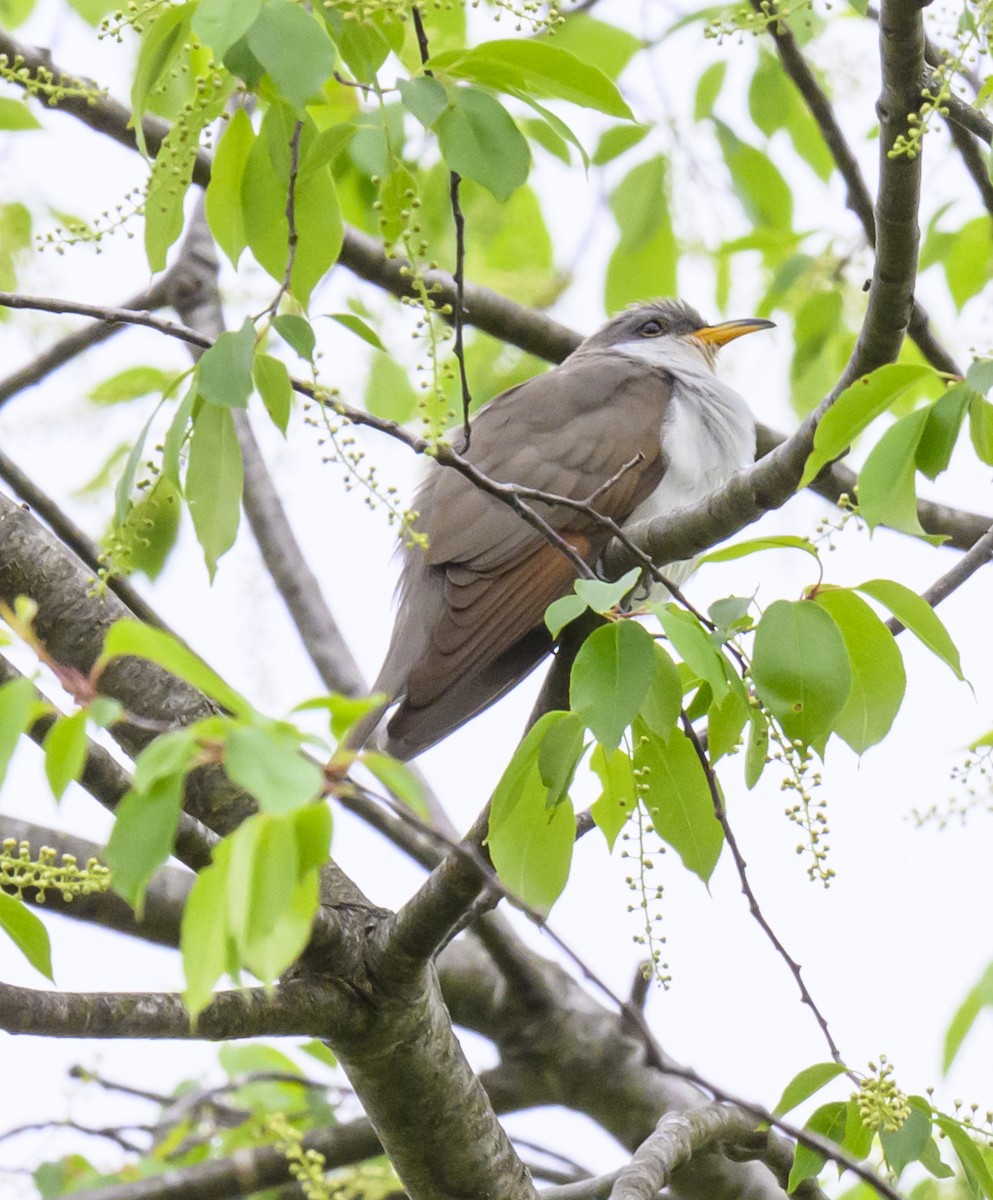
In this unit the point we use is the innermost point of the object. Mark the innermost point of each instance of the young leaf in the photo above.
(294, 48)
(267, 761)
(320, 231)
(360, 328)
(478, 138)
(981, 428)
(204, 939)
(398, 779)
(610, 678)
(857, 407)
(934, 451)
(830, 1120)
(17, 707)
(161, 45)
(214, 480)
(886, 488)
(220, 23)
(805, 1083)
(618, 796)
(645, 260)
(273, 382)
(784, 541)
(800, 669)
(65, 752)
(298, 333)
(980, 997)
(144, 641)
(536, 68)
(906, 1144)
(756, 747)
(225, 214)
(977, 1173)
(604, 596)
(131, 384)
(675, 791)
(918, 616)
(224, 372)
(27, 932)
(660, 708)
(694, 646)
(878, 676)
(531, 844)
(764, 194)
(142, 837)
(725, 721)
(425, 97)
(560, 612)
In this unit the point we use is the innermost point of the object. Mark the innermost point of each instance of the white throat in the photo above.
(707, 434)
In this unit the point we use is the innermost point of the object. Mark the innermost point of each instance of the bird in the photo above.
(636, 419)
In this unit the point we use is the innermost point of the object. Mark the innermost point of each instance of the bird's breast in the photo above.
(707, 433)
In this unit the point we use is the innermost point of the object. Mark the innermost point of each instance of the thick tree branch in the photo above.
(673, 1143)
(302, 1008)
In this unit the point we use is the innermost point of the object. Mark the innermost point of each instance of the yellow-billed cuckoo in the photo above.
(469, 624)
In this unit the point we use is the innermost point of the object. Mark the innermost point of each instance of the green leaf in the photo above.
(398, 779)
(267, 762)
(160, 47)
(708, 88)
(537, 68)
(320, 231)
(800, 669)
(980, 375)
(17, 710)
(389, 392)
(425, 97)
(360, 328)
(597, 42)
(16, 116)
(857, 407)
(618, 795)
(617, 141)
(918, 616)
(786, 541)
(694, 646)
(560, 612)
(673, 788)
(830, 1121)
(204, 939)
(169, 754)
(214, 480)
(27, 933)
(610, 678)
(981, 428)
(645, 259)
(805, 1084)
(968, 260)
(725, 722)
(531, 844)
(934, 451)
(931, 1159)
(774, 103)
(604, 596)
(142, 837)
(65, 752)
(878, 676)
(478, 138)
(274, 386)
(221, 23)
(909, 1142)
(764, 194)
(143, 641)
(224, 372)
(294, 48)
(224, 205)
(298, 333)
(980, 997)
(977, 1173)
(887, 482)
(125, 485)
(663, 701)
(558, 756)
(131, 384)
(756, 747)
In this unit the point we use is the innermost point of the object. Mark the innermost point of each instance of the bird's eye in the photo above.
(650, 329)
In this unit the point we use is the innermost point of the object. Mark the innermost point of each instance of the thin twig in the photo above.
(720, 812)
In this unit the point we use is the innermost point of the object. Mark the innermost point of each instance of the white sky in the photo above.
(888, 952)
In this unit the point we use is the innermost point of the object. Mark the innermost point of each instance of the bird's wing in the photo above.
(471, 609)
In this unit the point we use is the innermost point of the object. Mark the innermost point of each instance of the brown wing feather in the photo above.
(471, 606)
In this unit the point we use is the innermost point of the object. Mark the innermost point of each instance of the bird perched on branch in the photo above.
(636, 423)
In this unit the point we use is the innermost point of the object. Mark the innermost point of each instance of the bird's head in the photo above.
(656, 329)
